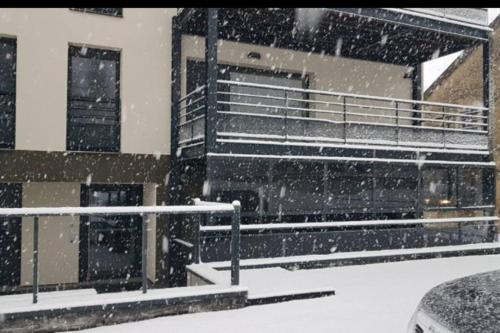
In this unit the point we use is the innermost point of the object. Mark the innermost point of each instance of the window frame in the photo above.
(12, 144)
(94, 53)
(97, 11)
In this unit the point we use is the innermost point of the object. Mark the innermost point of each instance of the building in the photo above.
(85, 120)
(462, 82)
(318, 116)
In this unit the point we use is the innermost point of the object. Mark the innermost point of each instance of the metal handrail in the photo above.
(217, 208)
(339, 94)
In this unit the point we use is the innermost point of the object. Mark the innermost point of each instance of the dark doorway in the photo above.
(10, 237)
(110, 246)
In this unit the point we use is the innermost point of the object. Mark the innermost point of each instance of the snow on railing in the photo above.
(346, 224)
(285, 111)
(198, 209)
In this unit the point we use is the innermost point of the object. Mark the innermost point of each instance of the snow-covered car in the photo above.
(470, 304)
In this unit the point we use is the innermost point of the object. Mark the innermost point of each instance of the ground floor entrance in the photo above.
(110, 246)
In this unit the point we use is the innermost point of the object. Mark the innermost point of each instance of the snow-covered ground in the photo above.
(369, 298)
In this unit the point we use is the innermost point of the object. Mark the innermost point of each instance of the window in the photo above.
(103, 11)
(110, 246)
(7, 92)
(440, 187)
(93, 100)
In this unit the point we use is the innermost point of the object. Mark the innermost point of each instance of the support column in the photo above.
(175, 110)
(211, 84)
(417, 91)
(489, 91)
(165, 226)
(489, 103)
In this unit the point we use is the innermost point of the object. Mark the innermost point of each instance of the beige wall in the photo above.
(328, 73)
(143, 36)
(58, 236)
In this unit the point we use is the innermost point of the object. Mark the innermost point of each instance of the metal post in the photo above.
(345, 120)
(397, 123)
(211, 76)
(35, 260)
(196, 241)
(489, 91)
(145, 254)
(285, 125)
(444, 126)
(235, 244)
(417, 92)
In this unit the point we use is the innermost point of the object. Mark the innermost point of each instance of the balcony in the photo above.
(271, 115)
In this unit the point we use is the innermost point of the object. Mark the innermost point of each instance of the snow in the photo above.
(351, 159)
(356, 255)
(369, 298)
(88, 297)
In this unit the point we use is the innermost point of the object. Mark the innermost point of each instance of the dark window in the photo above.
(7, 92)
(93, 100)
(440, 187)
(10, 237)
(110, 246)
(103, 11)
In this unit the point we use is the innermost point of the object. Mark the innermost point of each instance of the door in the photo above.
(10, 237)
(110, 246)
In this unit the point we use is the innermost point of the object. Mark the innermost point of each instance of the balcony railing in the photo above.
(277, 114)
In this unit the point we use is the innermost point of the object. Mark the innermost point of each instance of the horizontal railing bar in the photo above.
(344, 224)
(330, 142)
(314, 101)
(348, 113)
(329, 93)
(115, 210)
(194, 138)
(191, 120)
(198, 143)
(197, 90)
(192, 102)
(201, 107)
(446, 129)
(184, 243)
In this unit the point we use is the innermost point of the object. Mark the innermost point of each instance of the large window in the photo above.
(7, 92)
(110, 246)
(93, 100)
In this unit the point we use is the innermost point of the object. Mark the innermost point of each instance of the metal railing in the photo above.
(200, 209)
(292, 108)
(446, 228)
(191, 125)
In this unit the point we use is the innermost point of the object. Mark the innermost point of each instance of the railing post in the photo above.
(196, 243)
(444, 126)
(285, 126)
(144, 259)
(235, 244)
(397, 123)
(35, 260)
(344, 116)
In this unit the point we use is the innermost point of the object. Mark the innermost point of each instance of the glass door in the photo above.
(111, 245)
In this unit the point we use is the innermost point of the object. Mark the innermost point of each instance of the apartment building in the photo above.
(84, 120)
(462, 83)
(319, 117)
(303, 115)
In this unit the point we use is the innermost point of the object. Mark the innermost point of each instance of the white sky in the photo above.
(434, 68)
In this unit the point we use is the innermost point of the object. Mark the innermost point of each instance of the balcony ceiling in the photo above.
(366, 34)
